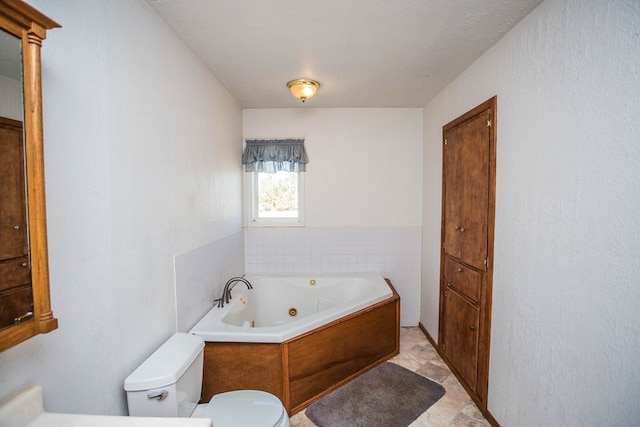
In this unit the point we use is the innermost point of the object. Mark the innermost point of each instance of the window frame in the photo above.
(253, 218)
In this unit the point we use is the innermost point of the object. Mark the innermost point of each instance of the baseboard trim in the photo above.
(485, 412)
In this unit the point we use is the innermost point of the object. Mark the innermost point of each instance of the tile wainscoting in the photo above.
(393, 252)
(200, 275)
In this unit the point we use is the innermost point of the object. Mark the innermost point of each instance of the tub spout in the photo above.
(226, 293)
(230, 285)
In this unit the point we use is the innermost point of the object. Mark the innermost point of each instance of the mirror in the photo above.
(16, 296)
(25, 305)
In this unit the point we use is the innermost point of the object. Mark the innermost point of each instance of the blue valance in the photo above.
(274, 155)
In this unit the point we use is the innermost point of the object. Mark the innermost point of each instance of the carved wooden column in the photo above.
(45, 322)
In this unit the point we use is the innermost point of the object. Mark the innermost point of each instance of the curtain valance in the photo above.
(274, 155)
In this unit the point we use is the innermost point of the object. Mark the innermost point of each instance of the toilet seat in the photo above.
(244, 408)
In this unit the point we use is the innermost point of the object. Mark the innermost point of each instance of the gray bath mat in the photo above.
(386, 396)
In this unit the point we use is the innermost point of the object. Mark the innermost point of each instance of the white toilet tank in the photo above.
(168, 383)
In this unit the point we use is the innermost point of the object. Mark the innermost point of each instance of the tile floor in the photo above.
(454, 409)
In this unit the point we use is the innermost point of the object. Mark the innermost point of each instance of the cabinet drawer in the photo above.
(16, 303)
(464, 279)
(14, 273)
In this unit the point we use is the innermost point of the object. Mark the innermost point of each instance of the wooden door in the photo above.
(466, 271)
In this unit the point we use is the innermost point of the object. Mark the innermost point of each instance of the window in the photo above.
(277, 198)
(275, 186)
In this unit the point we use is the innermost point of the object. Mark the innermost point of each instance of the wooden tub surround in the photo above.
(305, 368)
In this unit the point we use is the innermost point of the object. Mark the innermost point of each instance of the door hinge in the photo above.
(446, 142)
(444, 347)
(486, 261)
(489, 123)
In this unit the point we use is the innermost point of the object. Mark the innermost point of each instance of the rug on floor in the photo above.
(386, 396)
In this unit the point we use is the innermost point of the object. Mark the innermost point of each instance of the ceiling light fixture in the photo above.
(303, 88)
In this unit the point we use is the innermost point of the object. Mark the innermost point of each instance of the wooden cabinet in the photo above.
(16, 298)
(468, 205)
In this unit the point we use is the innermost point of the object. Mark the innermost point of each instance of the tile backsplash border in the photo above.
(200, 275)
(393, 252)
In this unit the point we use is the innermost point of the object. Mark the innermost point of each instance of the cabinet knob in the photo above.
(462, 229)
(472, 327)
(459, 270)
(24, 264)
(16, 227)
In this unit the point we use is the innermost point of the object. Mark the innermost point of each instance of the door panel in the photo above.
(461, 336)
(475, 190)
(453, 198)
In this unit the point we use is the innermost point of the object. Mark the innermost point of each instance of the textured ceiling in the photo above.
(364, 53)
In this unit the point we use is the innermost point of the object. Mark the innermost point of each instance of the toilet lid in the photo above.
(244, 408)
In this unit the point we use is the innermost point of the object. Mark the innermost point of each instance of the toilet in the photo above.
(168, 384)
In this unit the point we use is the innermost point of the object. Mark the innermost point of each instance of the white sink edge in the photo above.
(26, 409)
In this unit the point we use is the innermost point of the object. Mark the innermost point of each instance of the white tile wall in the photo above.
(200, 275)
(394, 252)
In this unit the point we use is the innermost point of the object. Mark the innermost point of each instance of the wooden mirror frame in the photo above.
(30, 26)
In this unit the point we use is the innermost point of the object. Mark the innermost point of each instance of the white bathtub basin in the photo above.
(280, 308)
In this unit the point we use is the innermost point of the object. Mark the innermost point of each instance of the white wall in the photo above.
(142, 163)
(364, 163)
(564, 343)
(362, 196)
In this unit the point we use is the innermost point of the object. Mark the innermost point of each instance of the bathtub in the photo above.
(299, 337)
(280, 308)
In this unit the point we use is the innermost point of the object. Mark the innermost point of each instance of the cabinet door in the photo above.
(466, 180)
(453, 197)
(13, 222)
(460, 336)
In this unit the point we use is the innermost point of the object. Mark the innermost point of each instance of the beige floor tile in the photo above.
(417, 354)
